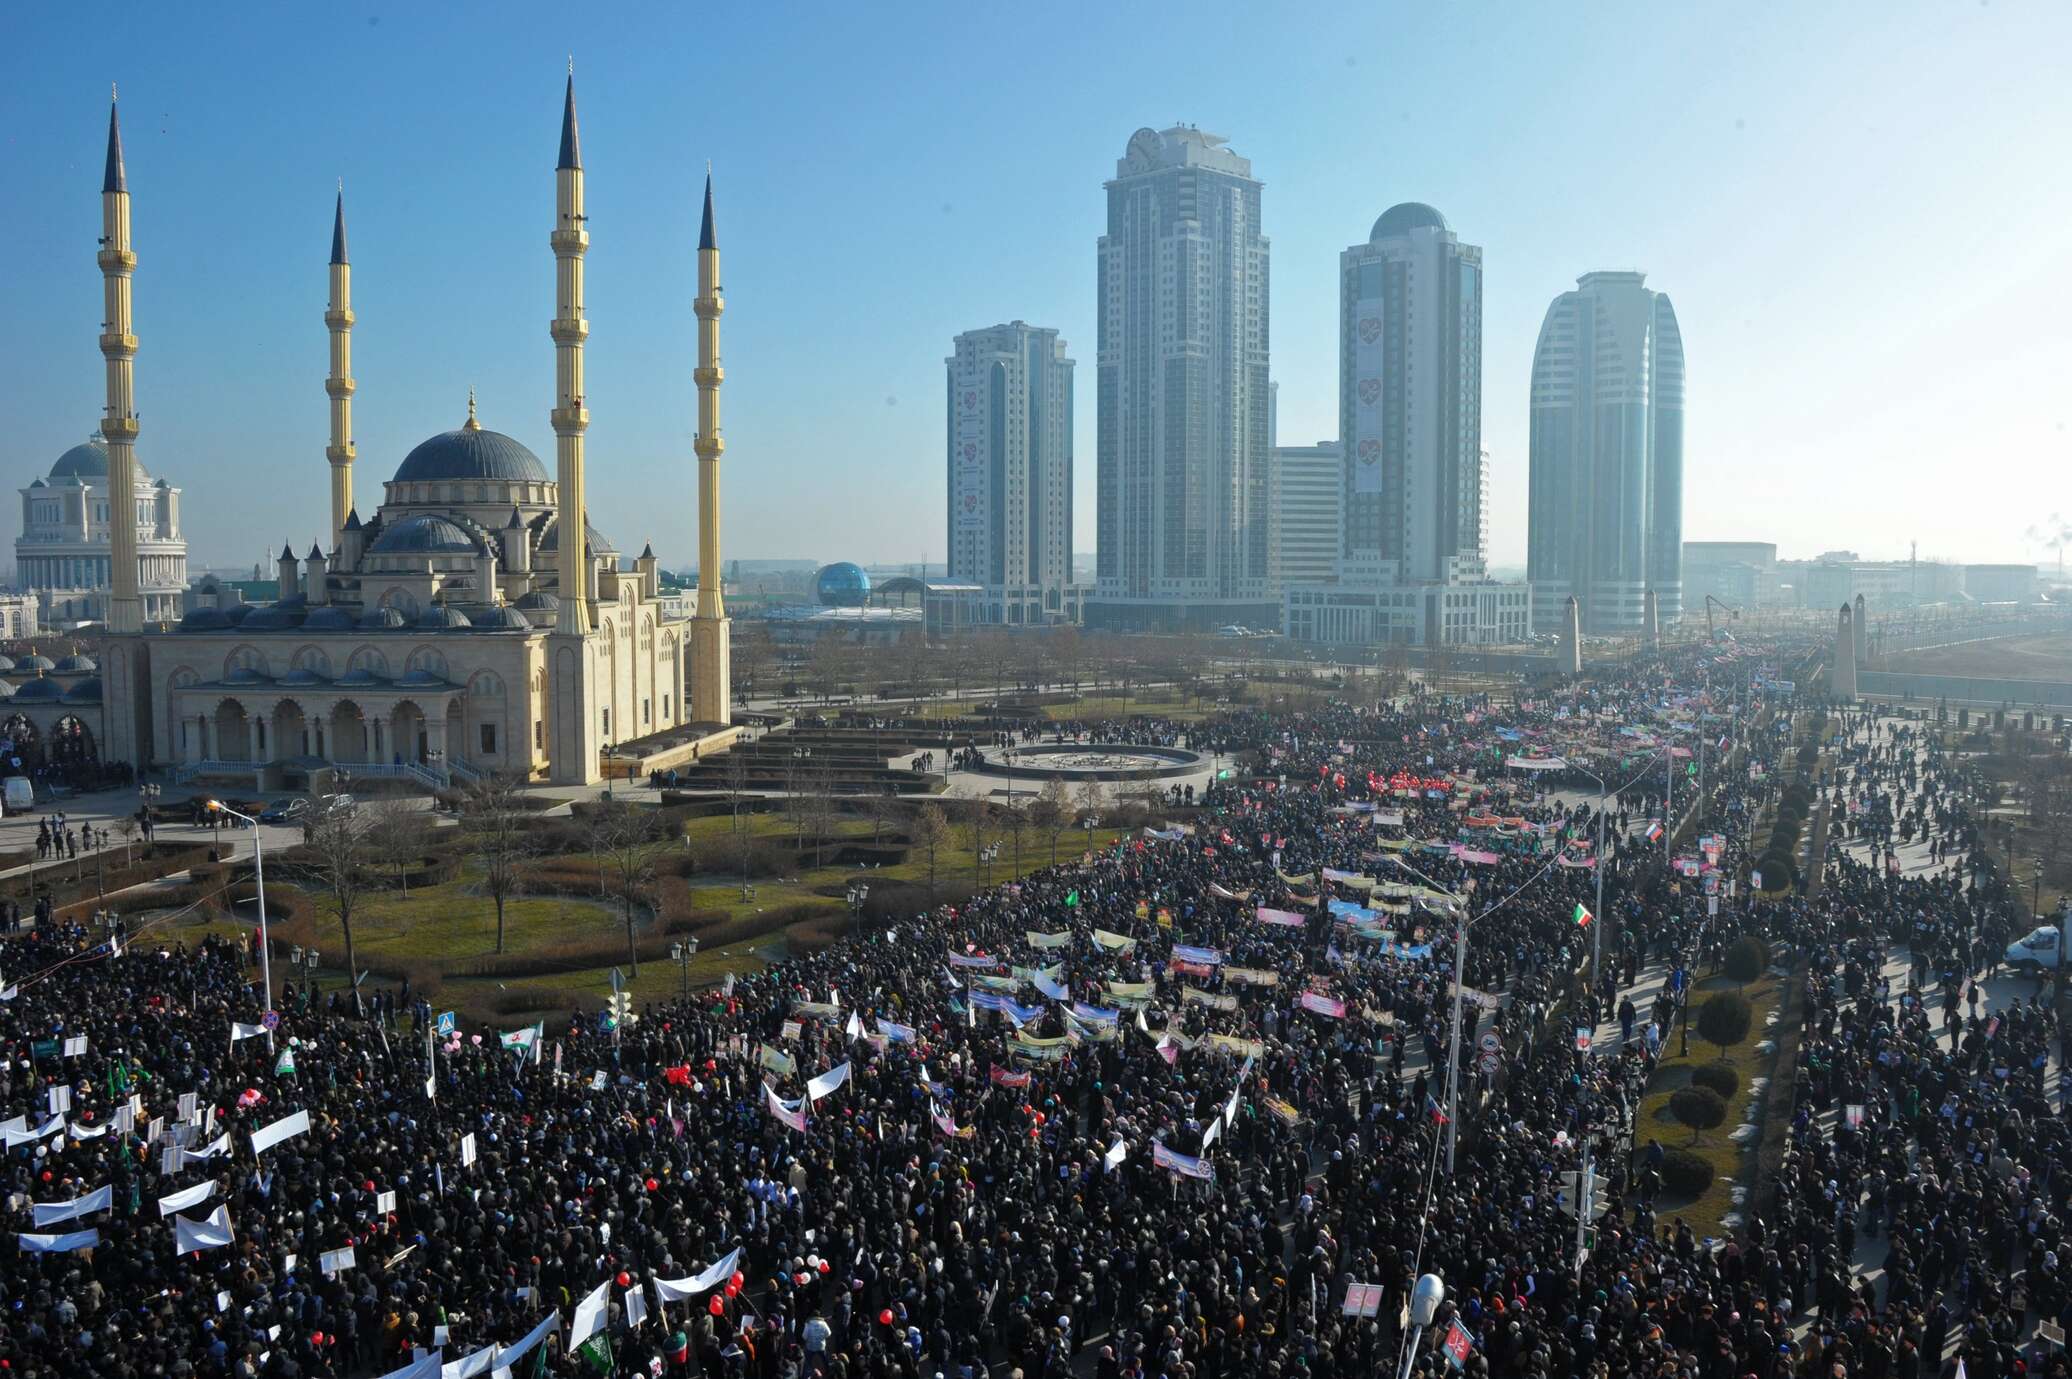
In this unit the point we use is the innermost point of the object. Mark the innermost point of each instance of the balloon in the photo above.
(885, 1317)
(739, 1278)
(625, 1280)
(717, 1306)
(652, 1185)
(823, 1266)
(732, 1288)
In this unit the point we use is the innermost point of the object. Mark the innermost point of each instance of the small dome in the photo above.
(471, 454)
(235, 615)
(502, 618)
(6, 664)
(361, 675)
(329, 618)
(6, 689)
(595, 541)
(245, 675)
(539, 601)
(276, 617)
(39, 692)
(425, 534)
(303, 675)
(1401, 219)
(85, 463)
(421, 678)
(439, 618)
(34, 663)
(87, 691)
(75, 665)
(204, 620)
(841, 585)
(381, 619)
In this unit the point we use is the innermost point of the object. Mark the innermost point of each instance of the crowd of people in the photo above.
(1155, 1111)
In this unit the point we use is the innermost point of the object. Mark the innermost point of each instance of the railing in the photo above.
(408, 770)
(463, 770)
(183, 774)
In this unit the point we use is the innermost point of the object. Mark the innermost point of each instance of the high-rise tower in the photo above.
(1010, 471)
(711, 669)
(338, 319)
(570, 417)
(1182, 389)
(119, 426)
(1606, 516)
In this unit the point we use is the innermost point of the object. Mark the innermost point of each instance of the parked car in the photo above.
(285, 811)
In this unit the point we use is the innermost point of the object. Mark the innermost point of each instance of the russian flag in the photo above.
(1654, 830)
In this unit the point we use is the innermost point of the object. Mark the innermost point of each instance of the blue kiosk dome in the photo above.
(841, 585)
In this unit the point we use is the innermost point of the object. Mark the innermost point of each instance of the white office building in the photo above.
(1305, 507)
(1185, 451)
(1010, 472)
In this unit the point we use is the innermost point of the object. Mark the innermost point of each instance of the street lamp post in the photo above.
(607, 770)
(259, 873)
(682, 953)
(1425, 1298)
(1460, 963)
(859, 891)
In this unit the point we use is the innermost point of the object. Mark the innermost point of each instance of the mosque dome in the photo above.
(329, 618)
(6, 689)
(204, 620)
(539, 601)
(425, 533)
(35, 664)
(86, 463)
(471, 453)
(6, 664)
(381, 618)
(438, 618)
(1401, 219)
(75, 665)
(39, 692)
(502, 618)
(841, 585)
(87, 691)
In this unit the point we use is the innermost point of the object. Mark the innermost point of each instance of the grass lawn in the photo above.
(1733, 1164)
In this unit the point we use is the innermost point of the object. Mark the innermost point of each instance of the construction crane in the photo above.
(1712, 632)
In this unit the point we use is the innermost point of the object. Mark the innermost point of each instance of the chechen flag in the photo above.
(1583, 916)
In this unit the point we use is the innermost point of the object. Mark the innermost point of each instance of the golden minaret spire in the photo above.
(710, 633)
(338, 319)
(570, 417)
(119, 348)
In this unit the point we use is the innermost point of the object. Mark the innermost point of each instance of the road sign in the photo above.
(1490, 1041)
(1489, 1063)
(271, 1019)
(447, 1024)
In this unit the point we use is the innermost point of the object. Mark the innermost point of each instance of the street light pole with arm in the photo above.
(259, 873)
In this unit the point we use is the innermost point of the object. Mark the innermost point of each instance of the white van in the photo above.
(19, 794)
(2042, 948)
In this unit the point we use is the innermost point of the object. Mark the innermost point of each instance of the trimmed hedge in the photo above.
(1700, 1108)
(1746, 958)
(1685, 1174)
(1718, 1078)
(1725, 1018)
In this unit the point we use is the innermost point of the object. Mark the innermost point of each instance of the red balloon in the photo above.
(717, 1306)
(625, 1279)
(652, 1185)
(732, 1288)
(739, 1278)
(823, 1266)
(885, 1317)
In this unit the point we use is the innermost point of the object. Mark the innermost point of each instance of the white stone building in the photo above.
(62, 555)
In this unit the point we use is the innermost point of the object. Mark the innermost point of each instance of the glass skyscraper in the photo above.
(1606, 518)
(1183, 400)
(1010, 470)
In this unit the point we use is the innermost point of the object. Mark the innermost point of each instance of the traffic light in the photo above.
(618, 1011)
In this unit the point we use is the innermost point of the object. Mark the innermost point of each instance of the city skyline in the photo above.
(1780, 218)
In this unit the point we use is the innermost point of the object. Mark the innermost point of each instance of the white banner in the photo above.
(636, 1306)
(211, 1234)
(678, 1290)
(1370, 359)
(589, 1315)
(467, 1149)
(334, 1262)
(425, 1366)
(510, 1355)
(75, 1047)
(827, 1082)
(51, 1213)
(1112, 1160)
(30, 1136)
(468, 1366)
(58, 1244)
(287, 1127)
(189, 1197)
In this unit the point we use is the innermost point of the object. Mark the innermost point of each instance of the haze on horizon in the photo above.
(1844, 202)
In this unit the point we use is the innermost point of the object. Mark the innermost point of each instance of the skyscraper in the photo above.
(1306, 512)
(1411, 560)
(1183, 398)
(1410, 399)
(1010, 470)
(1606, 520)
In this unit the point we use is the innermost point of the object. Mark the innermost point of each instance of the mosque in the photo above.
(474, 623)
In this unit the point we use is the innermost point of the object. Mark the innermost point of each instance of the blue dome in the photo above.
(39, 692)
(6, 689)
(6, 664)
(75, 665)
(439, 617)
(204, 620)
(471, 454)
(303, 675)
(35, 663)
(1402, 219)
(237, 613)
(381, 618)
(841, 585)
(361, 675)
(276, 617)
(87, 691)
(425, 534)
(329, 618)
(539, 601)
(85, 463)
(502, 618)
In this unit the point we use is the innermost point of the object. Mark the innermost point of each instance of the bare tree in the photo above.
(981, 815)
(737, 798)
(1014, 818)
(337, 863)
(931, 833)
(1052, 812)
(128, 827)
(883, 809)
(627, 843)
(1090, 799)
(394, 836)
(497, 835)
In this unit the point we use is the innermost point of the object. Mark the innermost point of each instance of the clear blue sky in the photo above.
(1857, 209)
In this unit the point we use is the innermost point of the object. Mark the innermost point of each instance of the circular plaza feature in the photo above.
(1102, 761)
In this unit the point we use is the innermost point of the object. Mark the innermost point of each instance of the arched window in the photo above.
(428, 660)
(369, 660)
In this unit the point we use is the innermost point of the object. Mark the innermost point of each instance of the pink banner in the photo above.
(1286, 919)
(1475, 855)
(1323, 1005)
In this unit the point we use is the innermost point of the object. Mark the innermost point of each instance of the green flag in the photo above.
(597, 1353)
(286, 1062)
(1072, 898)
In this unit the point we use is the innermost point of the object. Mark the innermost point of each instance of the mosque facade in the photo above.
(459, 629)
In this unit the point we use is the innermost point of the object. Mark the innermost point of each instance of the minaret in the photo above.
(338, 318)
(710, 632)
(570, 239)
(119, 425)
